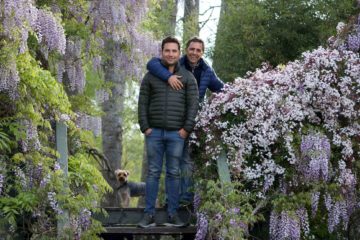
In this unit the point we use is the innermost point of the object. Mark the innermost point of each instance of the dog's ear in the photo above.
(117, 171)
(127, 173)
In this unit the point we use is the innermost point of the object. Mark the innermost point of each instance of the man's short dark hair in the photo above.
(196, 39)
(170, 40)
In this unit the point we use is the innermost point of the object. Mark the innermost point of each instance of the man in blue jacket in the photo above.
(206, 79)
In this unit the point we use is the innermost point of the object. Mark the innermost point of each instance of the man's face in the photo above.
(170, 54)
(194, 52)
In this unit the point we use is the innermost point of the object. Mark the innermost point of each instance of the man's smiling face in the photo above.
(194, 52)
(170, 53)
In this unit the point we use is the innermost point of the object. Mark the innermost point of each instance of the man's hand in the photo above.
(175, 83)
(183, 133)
(148, 131)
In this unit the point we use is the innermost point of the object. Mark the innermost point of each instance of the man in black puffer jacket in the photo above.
(166, 117)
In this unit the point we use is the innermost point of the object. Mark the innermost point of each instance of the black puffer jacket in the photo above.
(160, 106)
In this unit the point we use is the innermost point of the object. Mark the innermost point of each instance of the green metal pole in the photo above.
(62, 147)
(223, 168)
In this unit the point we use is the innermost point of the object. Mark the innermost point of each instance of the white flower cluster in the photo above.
(258, 115)
(282, 125)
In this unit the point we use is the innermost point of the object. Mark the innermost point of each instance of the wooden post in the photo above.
(62, 147)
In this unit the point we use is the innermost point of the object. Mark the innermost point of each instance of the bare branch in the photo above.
(210, 8)
(203, 23)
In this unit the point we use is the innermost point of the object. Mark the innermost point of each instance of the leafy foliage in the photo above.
(251, 32)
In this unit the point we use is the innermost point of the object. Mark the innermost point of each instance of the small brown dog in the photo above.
(128, 189)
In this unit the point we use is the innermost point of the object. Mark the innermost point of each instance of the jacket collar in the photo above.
(177, 66)
(201, 64)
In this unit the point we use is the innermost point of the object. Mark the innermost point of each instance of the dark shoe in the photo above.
(175, 221)
(147, 221)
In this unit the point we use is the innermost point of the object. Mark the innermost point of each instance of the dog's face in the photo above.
(121, 175)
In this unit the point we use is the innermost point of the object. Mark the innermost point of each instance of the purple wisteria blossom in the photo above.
(85, 219)
(354, 42)
(50, 31)
(90, 123)
(31, 142)
(197, 201)
(315, 151)
(1, 183)
(284, 226)
(201, 226)
(9, 79)
(314, 202)
(73, 65)
(53, 203)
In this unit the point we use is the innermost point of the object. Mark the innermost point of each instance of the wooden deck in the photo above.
(121, 223)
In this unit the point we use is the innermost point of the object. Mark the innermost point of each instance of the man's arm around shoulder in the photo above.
(155, 67)
(215, 84)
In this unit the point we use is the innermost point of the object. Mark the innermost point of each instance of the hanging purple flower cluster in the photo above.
(72, 65)
(81, 223)
(53, 203)
(50, 31)
(315, 156)
(31, 142)
(353, 40)
(1, 182)
(201, 226)
(89, 123)
(18, 18)
(288, 226)
(9, 79)
(120, 21)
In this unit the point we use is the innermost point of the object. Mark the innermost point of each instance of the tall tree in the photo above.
(161, 19)
(112, 118)
(170, 8)
(123, 44)
(251, 32)
(191, 19)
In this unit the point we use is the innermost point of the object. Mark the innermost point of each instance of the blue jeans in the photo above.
(187, 168)
(162, 142)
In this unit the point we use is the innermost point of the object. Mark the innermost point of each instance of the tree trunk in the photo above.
(112, 120)
(191, 19)
(171, 7)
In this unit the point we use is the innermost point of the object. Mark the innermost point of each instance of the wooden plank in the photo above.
(131, 216)
(223, 168)
(158, 230)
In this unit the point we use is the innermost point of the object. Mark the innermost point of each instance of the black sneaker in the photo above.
(175, 221)
(147, 221)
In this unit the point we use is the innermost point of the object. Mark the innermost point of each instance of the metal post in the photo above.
(223, 168)
(62, 147)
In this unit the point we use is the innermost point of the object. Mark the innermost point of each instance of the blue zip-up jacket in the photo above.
(208, 79)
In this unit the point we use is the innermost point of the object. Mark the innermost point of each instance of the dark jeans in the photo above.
(162, 142)
(187, 168)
